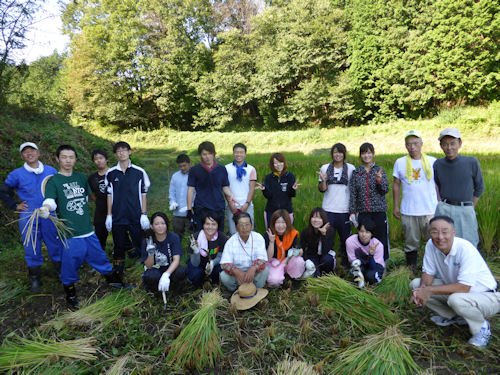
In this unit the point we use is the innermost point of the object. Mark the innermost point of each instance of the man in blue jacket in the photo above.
(28, 182)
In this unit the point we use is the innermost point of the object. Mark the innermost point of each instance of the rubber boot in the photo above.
(411, 260)
(34, 276)
(71, 297)
(57, 268)
(114, 280)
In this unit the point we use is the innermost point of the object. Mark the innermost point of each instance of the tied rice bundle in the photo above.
(383, 353)
(364, 311)
(98, 314)
(293, 367)
(31, 354)
(395, 287)
(198, 344)
(119, 366)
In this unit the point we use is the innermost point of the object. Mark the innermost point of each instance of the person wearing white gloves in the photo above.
(177, 195)
(161, 253)
(365, 254)
(127, 186)
(206, 251)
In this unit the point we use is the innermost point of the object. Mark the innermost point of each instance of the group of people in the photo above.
(203, 196)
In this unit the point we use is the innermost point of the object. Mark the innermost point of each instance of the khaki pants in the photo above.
(473, 307)
(415, 228)
(231, 282)
(464, 218)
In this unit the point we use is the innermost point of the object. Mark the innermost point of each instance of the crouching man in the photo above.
(465, 292)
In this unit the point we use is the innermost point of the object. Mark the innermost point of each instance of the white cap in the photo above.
(450, 132)
(27, 144)
(413, 133)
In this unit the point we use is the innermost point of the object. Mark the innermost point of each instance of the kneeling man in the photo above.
(456, 282)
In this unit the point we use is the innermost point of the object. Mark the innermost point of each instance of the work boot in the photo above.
(71, 297)
(115, 280)
(34, 276)
(411, 260)
(57, 268)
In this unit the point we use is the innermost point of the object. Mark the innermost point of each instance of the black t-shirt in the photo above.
(295, 244)
(98, 186)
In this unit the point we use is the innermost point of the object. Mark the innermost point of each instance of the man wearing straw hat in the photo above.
(27, 181)
(460, 183)
(414, 174)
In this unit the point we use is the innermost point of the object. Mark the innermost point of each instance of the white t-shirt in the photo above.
(241, 188)
(419, 197)
(336, 198)
(464, 264)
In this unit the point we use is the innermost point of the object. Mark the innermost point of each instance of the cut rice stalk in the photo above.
(361, 309)
(293, 367)
(119, 366)
(63, 232)
(30, 354)
(383, 353)
(395, 287)
(99, 314)
(198, 344)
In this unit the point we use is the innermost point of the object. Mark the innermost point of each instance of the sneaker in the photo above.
(445, 322)
(481, 338)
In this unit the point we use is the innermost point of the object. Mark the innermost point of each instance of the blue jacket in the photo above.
(28, 186)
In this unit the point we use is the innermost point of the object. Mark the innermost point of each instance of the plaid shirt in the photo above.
(241, 255)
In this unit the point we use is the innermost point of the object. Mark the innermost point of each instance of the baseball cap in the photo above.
(414, 133)
(27, 144)
(451, 132)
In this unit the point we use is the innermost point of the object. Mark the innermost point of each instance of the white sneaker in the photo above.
(445, 322)
(481, 338)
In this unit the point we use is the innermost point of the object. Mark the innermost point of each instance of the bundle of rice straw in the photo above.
(293, 367)
(364, 311)
(395, 287)
(119, 366)
(383, 353)
(98, 314)
(31, 354)
(63, 232)
(198, 344)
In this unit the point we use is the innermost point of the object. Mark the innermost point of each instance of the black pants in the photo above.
(381, 229)
(122, 241)
(102, 234)
(152, 276)
(340, 223)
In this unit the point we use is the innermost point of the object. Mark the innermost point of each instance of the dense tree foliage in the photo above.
(221, 64)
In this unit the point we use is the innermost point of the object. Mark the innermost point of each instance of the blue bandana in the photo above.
(240, 170)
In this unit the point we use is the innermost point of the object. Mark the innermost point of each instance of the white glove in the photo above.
(209, 268)
(194, 245)
(332, 253)
(358, 275)
(353, 220)
(310, 269)
(109, 223)
(150, 246)
(164, 283)
(145, 222)
(44, 212)
(290, 253)
(173, 206)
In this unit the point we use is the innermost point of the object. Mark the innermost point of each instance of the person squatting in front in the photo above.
(161, 252)
(67, 193)
(127, 185)
(283, 252)
(206, 251)
(317, 241)
(365, 254)
(456, 282)
(244, 257)
(28, 182)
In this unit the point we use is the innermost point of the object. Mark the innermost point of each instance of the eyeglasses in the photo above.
(411, 144)
(244, 225)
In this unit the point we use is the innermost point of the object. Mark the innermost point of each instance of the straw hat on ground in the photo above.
(247, 296)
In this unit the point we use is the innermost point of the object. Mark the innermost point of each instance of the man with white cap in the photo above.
(28, 181)
(460, 184)
(414, 173)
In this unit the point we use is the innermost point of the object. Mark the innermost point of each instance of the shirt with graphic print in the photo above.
(70, 194)
(215, 249)
(97, 183)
